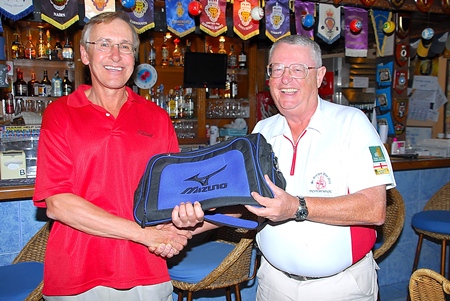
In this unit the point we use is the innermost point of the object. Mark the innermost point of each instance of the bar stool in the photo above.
(434, 222)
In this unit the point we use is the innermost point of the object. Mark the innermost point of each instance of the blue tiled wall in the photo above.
(20, 220)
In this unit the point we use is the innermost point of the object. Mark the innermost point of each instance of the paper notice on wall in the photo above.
(425, 99)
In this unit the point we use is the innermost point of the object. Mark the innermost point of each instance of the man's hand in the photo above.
(167, 240)
(279, 208)
(187, 215)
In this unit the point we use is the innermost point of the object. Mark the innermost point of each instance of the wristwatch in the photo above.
(302, 211)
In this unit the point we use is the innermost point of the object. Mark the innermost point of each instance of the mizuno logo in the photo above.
(204, 180)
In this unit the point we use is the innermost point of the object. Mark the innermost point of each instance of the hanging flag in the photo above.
(277, 19)
(177, 17)
(356, 42)
(244, 25)
(142, 15)
(95, 7)
(213, 18)
(303, 9)
(379, 17)
(329, 23)
(60, 14)
(15, 10)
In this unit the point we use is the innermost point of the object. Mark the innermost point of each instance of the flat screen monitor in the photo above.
(205, 70)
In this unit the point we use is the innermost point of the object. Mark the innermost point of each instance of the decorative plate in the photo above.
(145, 76)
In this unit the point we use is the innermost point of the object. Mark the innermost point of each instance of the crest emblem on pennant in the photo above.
(140, 8)
(212, 9)
(100, 4)
(401, 81)
(277, 17)
(245, 13)
(401, 54)
(329, 20)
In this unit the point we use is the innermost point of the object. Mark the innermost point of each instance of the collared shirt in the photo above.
(85, 150)
(339, 153)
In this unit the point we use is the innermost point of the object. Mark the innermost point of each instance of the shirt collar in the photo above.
(78, 98)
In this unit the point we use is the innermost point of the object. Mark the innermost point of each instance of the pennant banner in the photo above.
(244, 25)
(301, 10)
(329, 24)
(177, 17)
(15, 10)
(213, 18)
(95, 7)
(356, 43)
(60, 14)
(379, 17)
(142, 15)
(277, 19)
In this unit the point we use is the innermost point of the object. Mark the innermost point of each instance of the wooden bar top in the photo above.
(398, 164)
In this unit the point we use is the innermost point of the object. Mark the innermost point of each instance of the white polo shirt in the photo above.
(339, 153)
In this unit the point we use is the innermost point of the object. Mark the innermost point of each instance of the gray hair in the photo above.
(108, 17)
(316, 52)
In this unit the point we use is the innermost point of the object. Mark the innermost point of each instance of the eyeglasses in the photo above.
(299, 71)
(107, 46)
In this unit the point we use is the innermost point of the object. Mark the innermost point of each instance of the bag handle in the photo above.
(226, 220)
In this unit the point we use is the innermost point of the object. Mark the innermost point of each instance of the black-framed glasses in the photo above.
(300, 71)
(104, 45)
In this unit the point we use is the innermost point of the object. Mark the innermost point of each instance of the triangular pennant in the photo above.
(95, 7)
(213, 18)
(329, 23)
(244, 25)
(60, 14)
(15, 10)
(142, 15)
(178, 19)
(277, 19)
(356, 43)
(379, 18)
(302, 10)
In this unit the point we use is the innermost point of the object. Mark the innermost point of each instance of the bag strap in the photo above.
(226, 220)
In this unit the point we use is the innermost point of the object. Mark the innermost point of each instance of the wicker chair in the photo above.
(34, 251)
(434, 222)
(395, 218)
(231, 272)
(428, 285)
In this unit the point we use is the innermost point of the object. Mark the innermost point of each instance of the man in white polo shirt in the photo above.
(317, 243)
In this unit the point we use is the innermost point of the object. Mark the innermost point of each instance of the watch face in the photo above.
(145, 76)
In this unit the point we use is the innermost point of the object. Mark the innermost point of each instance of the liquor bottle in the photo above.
(17, 50)
(49, 46)
(210, 50)
(181, 103)
(189, 104)
(222, 46)
(152, 53)
(41, 46)
(57, 51)
(45, 88)
(67, 86)
(20, 86)
(242, 58)
(173, 104)
(176, 53)
(30, 50)
(33, 85)
(67, 51)
(233, 86)
(56, 85)
(232, 59)
(164, 53)
(188, 46)
(9, 104)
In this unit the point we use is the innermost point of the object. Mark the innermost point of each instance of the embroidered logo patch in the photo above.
(379, 161)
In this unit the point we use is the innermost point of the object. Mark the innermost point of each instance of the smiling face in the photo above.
(293, 96)
(110, 70)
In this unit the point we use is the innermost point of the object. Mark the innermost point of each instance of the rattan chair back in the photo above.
(440, 200)
(393, 225)
(428, 285)
(234, 269)
(34, 250)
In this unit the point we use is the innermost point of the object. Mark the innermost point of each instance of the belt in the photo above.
(301, 278)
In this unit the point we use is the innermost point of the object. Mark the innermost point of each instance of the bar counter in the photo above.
(398, 164)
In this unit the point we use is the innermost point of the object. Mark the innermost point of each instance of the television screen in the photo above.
(205, 70)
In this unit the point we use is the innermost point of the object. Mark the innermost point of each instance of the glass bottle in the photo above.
(57, 51)
(189, 104)
(242, 58)
(233, 86)
(67, 86)
(67, 51)
(20, 86)
(45, 88)
(152, 53)
(176, 53)
(49, 46)
(164, 53)
(56, 85)
(222, 46)
(41, 46)
(173, 104)
(30, 49)
(17, 50)
(232, 59)
(33, 85)
(9, 104)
